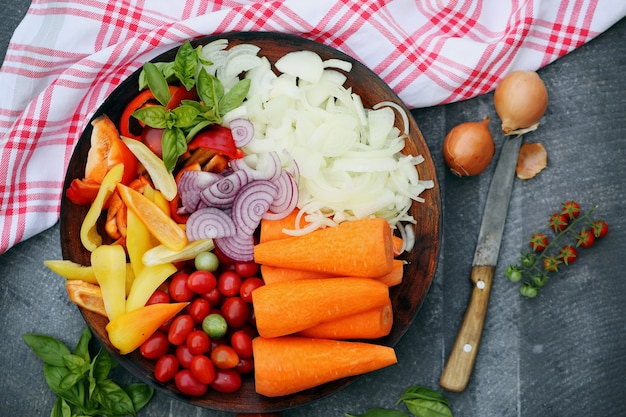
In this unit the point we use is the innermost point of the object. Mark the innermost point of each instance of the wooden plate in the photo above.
(407, 298)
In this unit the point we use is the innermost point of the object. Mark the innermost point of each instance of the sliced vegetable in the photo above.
(138, 241)
(72, 270)
(307, 303)
(216, 137)
(86, 295)
(146, 282)
(357, 248)
(109, 267)
(162, 254)
(273, 229)
(289, 364)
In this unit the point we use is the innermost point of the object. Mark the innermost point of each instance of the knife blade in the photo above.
(460, 364)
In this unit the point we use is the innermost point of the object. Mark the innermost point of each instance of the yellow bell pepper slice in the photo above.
(163, 179)
(162, 254)
(71, 270)
(138, 241)
(89, 235)
(109, 266)
(145, 283)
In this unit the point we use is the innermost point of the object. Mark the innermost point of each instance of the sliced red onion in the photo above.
(209, 223)
(286, 199)
(251, 203)
(238, 247)
(242, 131)
(191, 183)
(223, 192)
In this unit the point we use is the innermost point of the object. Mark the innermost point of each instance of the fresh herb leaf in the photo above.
(234, 97)
(61, 408)
(210, 89)
(186, 65)
(173, 145)
(140, 394)
(380, 412)
(82, 347)
(157, 83)
(428, 408)
(184, 116)
(418, 392)
(153, 116)
(420, 401)
(114, 400)
(49, 349)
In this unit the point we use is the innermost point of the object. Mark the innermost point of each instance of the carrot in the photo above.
(273, 229)
(369, 324)
(397, 245)
(288, 307)
(289, 364)
(158, 223)
(272, 274)
(355, 248)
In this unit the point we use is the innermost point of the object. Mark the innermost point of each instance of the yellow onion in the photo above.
(520, 99)
(468, 148)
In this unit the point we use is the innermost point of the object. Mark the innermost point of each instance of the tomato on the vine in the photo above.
(551, 263)
(600, 228)
(568, 254)
(538, 242)
(585, 238)
(558, 222)
(571, 209)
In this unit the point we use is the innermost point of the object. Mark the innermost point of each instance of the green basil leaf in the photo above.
(100, 366)
(82, 347)
(75, 363)
(201, 58)
(157, 83)
(153, 116)
(184, 116)
(196, 129)
(54, 376)
(210, 89)
(140, 394)
(186, 65)
(71, 379)
(166, 68)
(380, 412)
(61, 408)
(419, 392)
(427, 408)
(234, 97)
(173, 145)
(47, 348)
(113, 398)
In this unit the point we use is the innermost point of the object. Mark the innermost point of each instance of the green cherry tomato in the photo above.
(206, 261)
(214, 325)
(527, 290)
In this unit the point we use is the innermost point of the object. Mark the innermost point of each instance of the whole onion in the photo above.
(520, 99)
(468, 148)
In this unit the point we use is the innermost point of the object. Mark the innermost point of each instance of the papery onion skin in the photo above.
(469, 148)
(520, 99)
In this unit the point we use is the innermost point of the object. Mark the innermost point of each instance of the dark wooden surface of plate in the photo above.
(407, 298)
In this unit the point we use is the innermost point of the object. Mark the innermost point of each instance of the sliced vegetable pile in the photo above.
(232, 198)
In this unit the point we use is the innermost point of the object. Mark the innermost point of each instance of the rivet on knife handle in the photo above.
(460, 363)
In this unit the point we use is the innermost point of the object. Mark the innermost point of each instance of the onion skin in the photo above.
(469, 148)
(531, 160)
(520, 99)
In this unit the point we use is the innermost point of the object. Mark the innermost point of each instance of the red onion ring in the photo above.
(242, 131)
(286, 200)
(222, 193)
(190, 185)
(251, 203)
(209, 223)
(238, 247)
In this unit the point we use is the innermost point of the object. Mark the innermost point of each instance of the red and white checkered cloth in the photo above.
(68, 55)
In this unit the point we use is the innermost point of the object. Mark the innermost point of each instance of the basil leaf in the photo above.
(184, 116)
(157, 83)
(186, 65)
(47, 348)
(210, 89)
(173, 145)
(153, 116)
(166, 68)
(71, 379)
(113, 399)
(75, 363)
(82, 347)
(381, 412)
(427, 408)
(54, 376)
(100, 366)
(61, 408)
(196, 129)
(201, 58)
(418, 392)
(234, 97)
(140, 394)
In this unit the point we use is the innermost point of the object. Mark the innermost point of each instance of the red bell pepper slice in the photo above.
(217, 138)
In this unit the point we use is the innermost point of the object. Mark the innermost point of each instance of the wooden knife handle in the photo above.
(460, 363)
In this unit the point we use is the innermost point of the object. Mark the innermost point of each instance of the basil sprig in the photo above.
(183, 123)
(81, 383)
(419, 401)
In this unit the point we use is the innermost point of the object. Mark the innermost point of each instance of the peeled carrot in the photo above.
(289, 364)
(397, 245)
(361, 248)
(158, 223)
(369, 324)
(273, 229)
(288, 307)
(272, 274)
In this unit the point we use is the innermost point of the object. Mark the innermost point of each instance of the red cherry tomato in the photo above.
(198, 342)
(214, 297)
(153, 139)
(241, 343)
(229, 283)
(166, 368)
(199, 309)
(201, 282)
(184, 356)
(235, 311)
(188, 384)
(247, 286)
(203, 369)
(178, 289)
(224, 357)
(179, 329)
(246, 269)
(245, 366)
(155, 346)
(226, 380)
(159, 297)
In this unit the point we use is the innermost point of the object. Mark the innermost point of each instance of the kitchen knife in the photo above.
(458, 369)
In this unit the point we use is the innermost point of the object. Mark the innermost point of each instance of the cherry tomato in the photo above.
(165, 327)
(184, 356)
(246, 269)
(179, 329)
(155, 346)
(226, 380)
(245, 366)
(166, 368)
(229, 283)
(153, 139)
(214, 325)
(214, 297)
(568, 254)
(198, 342)
(203, 369)
(571, 209)
(600, 228)
(199, 309)
(236, 311)
(206, 261)
(247, 286)
(241, 343)
(159, 297)
(585, 238)
(188, 384)
(558, 222)
(201, 282)
(538, 242)
(178, 289)
(224, 357)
